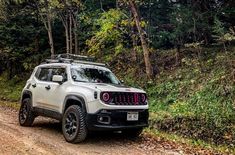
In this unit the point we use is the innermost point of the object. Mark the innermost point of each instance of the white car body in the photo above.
(49, 98)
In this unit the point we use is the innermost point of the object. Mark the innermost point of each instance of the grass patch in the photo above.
(11, 89)
(195, 99)
(14, 105)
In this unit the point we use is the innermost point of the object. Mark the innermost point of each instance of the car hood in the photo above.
(110, 87)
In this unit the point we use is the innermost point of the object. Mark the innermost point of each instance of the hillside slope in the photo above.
(197, 98)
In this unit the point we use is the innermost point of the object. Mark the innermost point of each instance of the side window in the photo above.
(43, 74)
(46, 74)
(59, 71)
(37, 73)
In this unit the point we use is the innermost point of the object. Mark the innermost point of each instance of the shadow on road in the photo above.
(93, 137)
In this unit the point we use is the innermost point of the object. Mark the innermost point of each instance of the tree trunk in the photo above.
(224, 44)
(9, 65)
(65, 23)
(37, 34)
(70, 33)
(64, 19)
(67, 38)
(148, 65)
(75, 35)
(117, 5)
(177, 55)
(101, 5)
(50, 36)
(134, 43)
(49, 29)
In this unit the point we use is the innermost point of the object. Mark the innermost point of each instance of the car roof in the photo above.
(54, 64)
(74, 65)
(77, 65)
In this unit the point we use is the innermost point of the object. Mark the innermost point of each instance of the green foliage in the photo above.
(2, 10)
(220, 33)
(182, 19)
(14, 105)
(109, 38)
(11, 90)
(106, 28)
(218, 27)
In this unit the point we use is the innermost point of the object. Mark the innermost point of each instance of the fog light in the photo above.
(104, 119)
(100, 118)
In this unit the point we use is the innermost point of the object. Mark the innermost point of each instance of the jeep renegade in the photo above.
(84, 96)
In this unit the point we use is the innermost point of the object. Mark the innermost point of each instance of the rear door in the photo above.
(42, 80)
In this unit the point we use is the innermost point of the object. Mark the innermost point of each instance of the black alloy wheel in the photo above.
(73, 124)
(26, 115)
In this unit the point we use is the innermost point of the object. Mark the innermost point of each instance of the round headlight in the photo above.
(105, 97)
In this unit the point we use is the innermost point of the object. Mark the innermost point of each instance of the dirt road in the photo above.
(45, 137)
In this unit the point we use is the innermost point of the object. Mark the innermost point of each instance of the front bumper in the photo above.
(116, 120)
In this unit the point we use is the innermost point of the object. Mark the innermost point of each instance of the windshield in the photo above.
(93, 75)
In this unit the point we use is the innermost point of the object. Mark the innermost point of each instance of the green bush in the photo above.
(11, 89)
(196, 99)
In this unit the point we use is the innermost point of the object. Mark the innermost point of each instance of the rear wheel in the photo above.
(73, 125)
(26, 116)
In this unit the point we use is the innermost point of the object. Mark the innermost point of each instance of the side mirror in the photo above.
(122, 81)
(57, 78)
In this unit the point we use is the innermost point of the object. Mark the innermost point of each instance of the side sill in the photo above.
(47, 113)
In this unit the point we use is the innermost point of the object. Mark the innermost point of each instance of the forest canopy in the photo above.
(33, 30)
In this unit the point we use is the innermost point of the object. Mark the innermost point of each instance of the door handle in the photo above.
(34, 85)
(48, 87)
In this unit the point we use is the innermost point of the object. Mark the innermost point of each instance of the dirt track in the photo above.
(45, 137)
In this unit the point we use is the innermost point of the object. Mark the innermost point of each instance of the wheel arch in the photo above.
(74, 100)
(26, 94)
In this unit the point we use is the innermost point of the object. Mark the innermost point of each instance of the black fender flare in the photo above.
(26, 93)
(75, 98)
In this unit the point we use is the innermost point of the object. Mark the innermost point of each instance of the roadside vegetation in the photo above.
(197, 99)
(194, 100)
(11, 89)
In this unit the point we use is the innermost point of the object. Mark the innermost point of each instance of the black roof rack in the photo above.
(72, 58)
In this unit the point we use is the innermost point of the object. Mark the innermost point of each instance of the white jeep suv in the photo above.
(84, 96)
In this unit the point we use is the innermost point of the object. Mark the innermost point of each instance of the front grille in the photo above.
(126, 98)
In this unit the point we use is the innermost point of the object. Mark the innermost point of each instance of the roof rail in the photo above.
(72, 58)
(89, 63)
(60, 60)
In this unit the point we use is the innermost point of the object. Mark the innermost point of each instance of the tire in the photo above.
(132, 133)
(74, 125)
(26, 116)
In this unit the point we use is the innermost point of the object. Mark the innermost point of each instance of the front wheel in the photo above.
(73, 125)
(26, 116)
